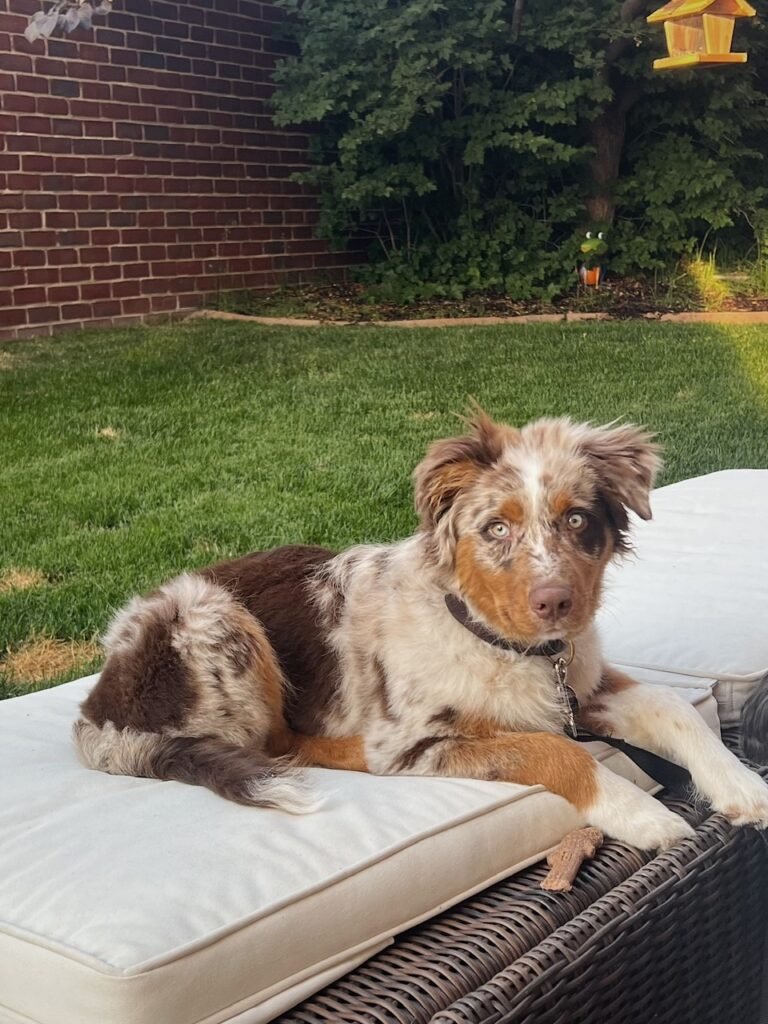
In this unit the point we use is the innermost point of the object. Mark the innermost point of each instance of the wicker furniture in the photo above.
(677, 938)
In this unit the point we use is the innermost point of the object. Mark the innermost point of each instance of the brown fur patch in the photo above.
(476, 726)
(445, 485)
(501, 599)
(346, 753)
(512, 510)
(273, 586)
(561, 502)
(448, 716)
(42, 658)
(21, 579)
(409, 757)
(382, 692)
(530, 759)
(592, 715)
(613, 681)
(146, 687)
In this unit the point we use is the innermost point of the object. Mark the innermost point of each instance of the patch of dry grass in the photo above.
(20, 579)
(109, 433)
(44, 657)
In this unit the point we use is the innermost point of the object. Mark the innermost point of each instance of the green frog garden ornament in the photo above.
(591, 269)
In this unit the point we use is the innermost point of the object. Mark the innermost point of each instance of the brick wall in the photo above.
(139, 169)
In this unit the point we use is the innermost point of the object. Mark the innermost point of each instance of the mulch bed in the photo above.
(350, 302)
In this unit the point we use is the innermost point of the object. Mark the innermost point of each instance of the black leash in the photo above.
(667, 773)
(661, 770)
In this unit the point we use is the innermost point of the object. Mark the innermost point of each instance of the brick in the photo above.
(52, 105)
(67, 126)
(58, 257)
(106, 308)
(10, 240)
(28, 296)
(14, 317)
(43, 314)
(15, 62)
(107, 272)
(64, 293)
(36, 162)
(31, 83)
(78, 311)
(65, 87)
(25, 219)
(23, 104)
(91, 254)
(11, 278)
(42, 275)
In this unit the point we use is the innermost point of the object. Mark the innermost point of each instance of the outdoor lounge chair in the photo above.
(131, 901)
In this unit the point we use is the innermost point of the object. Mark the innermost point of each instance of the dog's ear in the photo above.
(454, 464)
(626, 460)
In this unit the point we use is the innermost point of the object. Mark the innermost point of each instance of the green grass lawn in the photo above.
(129, 455)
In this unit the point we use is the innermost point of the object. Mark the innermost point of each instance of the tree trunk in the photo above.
(606, 135)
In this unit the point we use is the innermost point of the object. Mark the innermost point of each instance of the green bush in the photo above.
(473, 156)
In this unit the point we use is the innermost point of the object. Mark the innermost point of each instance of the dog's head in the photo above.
(526, 520)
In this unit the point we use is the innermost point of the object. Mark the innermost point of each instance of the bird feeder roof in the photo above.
(690, 8)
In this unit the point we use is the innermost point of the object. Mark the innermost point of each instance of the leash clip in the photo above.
(567, 696)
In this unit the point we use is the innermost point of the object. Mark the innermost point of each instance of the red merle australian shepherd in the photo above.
(431, 656)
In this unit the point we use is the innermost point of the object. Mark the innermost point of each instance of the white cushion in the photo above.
(694, 598)
(130, 901)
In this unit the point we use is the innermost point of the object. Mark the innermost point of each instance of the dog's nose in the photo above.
(551, 601)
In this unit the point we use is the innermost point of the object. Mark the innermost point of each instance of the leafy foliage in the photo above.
(469, 155)
(64, 15)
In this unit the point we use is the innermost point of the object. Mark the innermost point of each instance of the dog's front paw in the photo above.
(653, 828)
(742, 797)
(627, 813)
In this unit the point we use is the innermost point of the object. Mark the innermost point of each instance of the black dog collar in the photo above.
(461, 613)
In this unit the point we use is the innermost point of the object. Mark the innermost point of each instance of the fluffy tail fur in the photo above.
(192, 692)
(235, 773)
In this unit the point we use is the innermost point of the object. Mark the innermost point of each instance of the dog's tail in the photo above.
(241, 774)
(191, 691)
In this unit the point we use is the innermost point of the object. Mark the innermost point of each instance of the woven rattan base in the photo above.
(676, 938)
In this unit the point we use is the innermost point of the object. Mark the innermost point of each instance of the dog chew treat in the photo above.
(568, 856)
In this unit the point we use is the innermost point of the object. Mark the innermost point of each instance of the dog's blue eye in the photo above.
(576, 520)
(498, 530)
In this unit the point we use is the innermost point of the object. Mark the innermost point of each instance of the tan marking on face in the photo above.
(346, 752)
(512, 510)
(502, 599)
(561, 502)
(531, 759)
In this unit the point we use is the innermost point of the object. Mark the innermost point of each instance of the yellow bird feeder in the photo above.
(700, 32)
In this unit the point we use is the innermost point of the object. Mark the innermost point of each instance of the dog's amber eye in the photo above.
(498, 530)
(576, 520)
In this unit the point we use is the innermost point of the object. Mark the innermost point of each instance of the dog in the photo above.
(430, 656)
